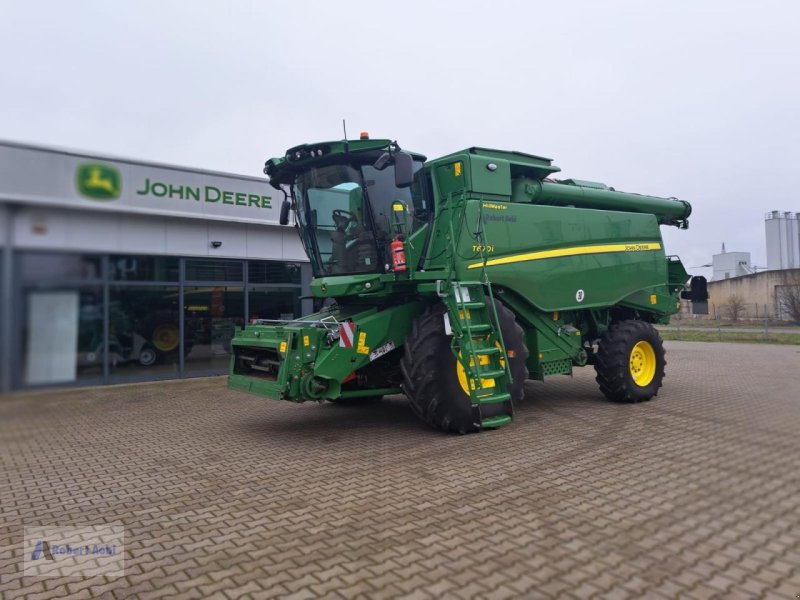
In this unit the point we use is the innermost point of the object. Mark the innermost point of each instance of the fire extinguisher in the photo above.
(398, 254)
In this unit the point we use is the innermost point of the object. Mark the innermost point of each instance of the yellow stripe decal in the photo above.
(574, 251)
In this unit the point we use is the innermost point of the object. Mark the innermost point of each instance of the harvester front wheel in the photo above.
(430, 372)
(630, 362)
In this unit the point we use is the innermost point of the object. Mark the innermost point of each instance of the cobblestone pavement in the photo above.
(696, 494)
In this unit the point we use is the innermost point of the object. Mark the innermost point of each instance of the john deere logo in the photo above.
(98, 181)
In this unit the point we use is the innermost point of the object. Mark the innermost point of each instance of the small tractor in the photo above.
(454, 280)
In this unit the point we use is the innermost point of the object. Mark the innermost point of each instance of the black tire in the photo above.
(430, 378)
(148, 356)
(615, 364)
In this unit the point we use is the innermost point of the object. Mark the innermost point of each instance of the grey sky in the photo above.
(699, 100)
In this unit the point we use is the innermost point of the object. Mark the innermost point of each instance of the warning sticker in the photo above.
(362, 343)
(347, 333)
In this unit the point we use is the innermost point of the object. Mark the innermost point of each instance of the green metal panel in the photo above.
(562, 258)
(490, 175)
(313, 361)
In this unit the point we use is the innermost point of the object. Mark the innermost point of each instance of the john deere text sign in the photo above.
(60, 179)
(161, 190)
(98, 181)
(207, 193)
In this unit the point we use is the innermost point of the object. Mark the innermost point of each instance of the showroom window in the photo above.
(269, 271)
(212, 315)
(214, 270)
(91, 319)
(144, 268)
(144, 331)
(60, 318)
(273, 303)
(40, 268)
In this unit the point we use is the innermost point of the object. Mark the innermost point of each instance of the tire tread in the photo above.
(611, 363)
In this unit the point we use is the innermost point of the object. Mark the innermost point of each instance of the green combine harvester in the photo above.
(454, 280)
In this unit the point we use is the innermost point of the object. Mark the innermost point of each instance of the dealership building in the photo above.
(115, 270)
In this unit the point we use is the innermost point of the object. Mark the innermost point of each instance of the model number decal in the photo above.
(482, 248)
(381, 350)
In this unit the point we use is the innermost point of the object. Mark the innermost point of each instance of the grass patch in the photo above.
(730, 336)
(743, 324)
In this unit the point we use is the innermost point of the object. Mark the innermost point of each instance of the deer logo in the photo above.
(99, 181)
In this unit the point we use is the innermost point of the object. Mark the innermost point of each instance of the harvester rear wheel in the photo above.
(630, 362)
(430, 372)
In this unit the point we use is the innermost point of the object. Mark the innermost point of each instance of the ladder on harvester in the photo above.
(477, 344)
(479, 348)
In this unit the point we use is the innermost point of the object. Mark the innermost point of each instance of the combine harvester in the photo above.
(454, 280)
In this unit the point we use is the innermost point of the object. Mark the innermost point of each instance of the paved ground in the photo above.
(696, 494)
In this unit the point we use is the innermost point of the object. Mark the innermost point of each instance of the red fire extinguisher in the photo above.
(398, 254)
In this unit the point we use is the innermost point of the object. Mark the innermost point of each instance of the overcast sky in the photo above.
(699, 100)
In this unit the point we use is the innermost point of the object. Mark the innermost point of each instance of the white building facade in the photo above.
(114, 270)
(783, 240)
(730, 264)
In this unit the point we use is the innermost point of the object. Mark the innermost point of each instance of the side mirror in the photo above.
(699, 289)
(403, 170)
(285, 208)
(697, 294)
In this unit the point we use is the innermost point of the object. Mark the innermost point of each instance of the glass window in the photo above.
(144, 331)
(270, 271)
(211, 317)
(144, 268)
(62, 335)
(214, 270)
(347, 218)
(334, 221)
(37, 267)
(421, 194)
(274, 303)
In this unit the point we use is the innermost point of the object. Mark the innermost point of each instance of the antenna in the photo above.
(344, 126)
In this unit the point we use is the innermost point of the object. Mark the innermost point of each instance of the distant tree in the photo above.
(787, 294)
(734, 307)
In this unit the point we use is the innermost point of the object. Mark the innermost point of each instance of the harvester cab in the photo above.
(344, 196)
(455, 280)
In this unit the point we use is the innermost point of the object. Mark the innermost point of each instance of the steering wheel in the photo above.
(343, 218)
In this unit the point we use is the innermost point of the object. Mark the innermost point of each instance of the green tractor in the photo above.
(454, 280)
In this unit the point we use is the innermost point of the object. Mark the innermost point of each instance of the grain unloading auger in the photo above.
(454, 280)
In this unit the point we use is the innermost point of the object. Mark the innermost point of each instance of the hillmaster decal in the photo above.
(98, 181)
(207, 193)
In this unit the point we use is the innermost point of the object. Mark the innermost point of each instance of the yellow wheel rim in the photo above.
(643, 363)
(165, 337)
(462, 375)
